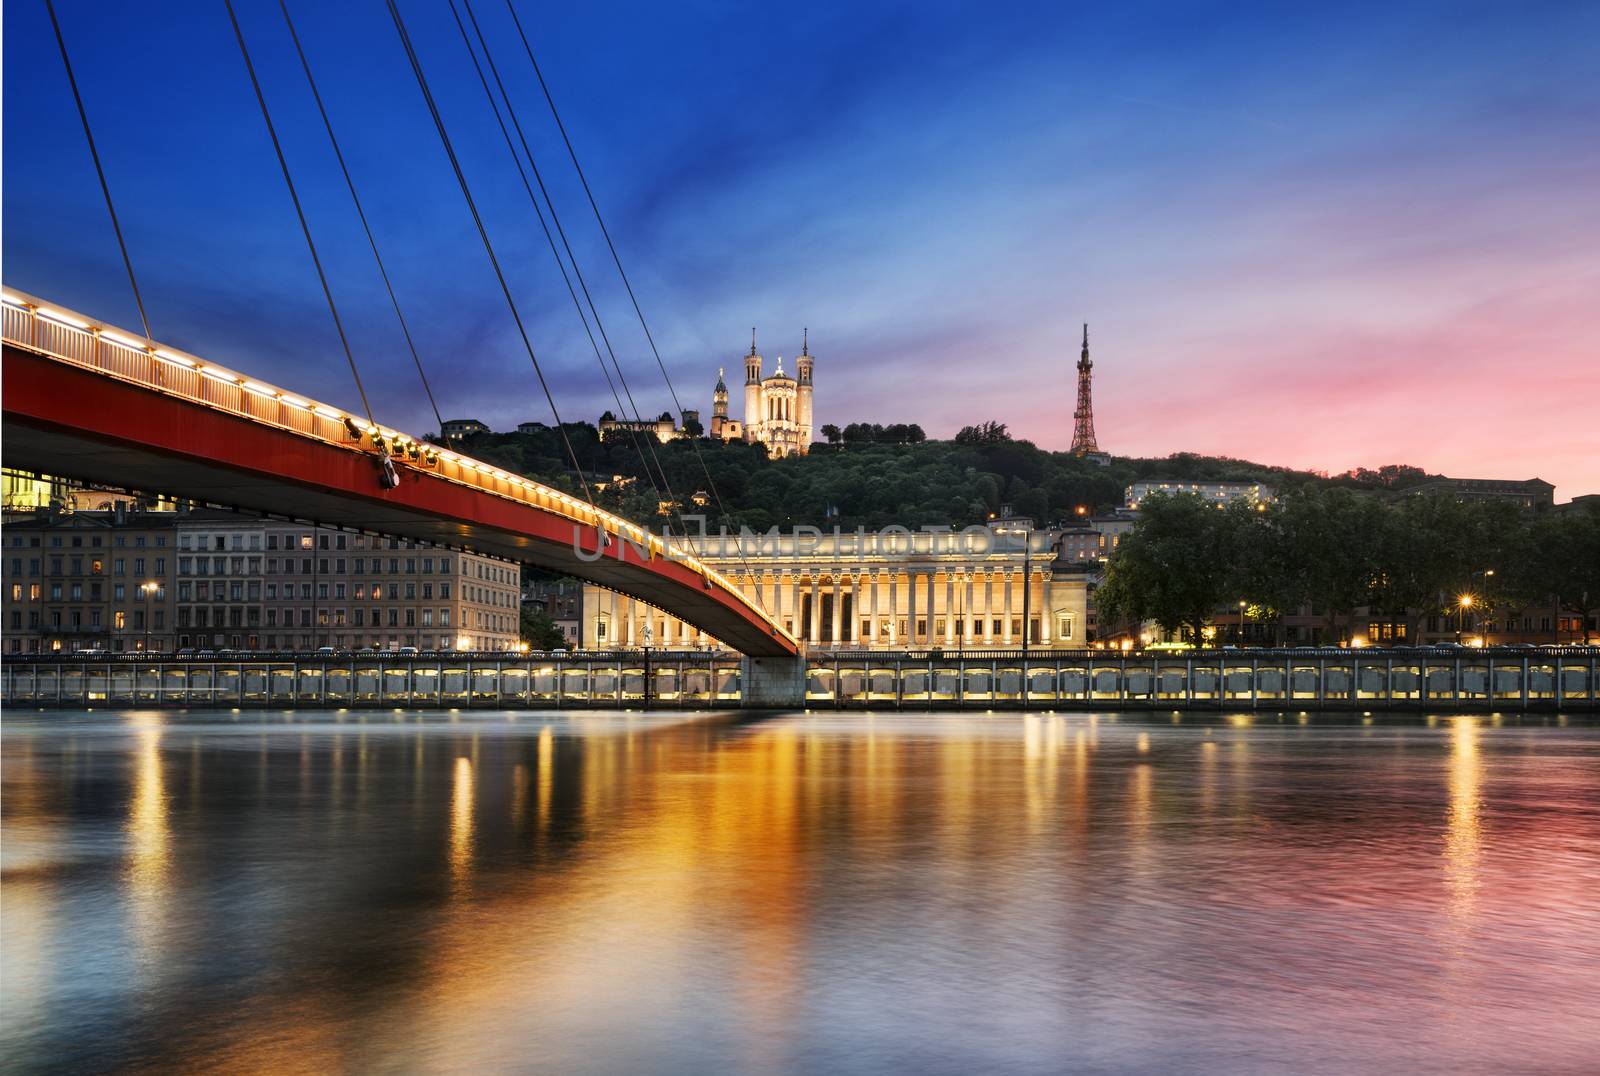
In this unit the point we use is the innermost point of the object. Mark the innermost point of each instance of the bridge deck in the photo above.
(88, 403)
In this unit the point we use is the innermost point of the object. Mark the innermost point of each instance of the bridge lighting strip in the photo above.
(62, 319)
(529, 490)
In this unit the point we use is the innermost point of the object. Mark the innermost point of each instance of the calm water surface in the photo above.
(474, 892)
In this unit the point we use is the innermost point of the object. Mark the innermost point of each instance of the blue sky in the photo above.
(1320, 235)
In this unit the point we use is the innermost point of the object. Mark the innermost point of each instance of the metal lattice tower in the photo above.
(1083, 418)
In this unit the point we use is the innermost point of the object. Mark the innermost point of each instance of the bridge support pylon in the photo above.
(773, 683)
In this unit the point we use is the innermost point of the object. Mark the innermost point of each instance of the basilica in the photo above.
(777, 408)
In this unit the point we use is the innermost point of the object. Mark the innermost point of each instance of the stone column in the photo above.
(816, 609)
(949, 608)
(988, 607)
(1005, 625)
(971, 612)
(872, 636)
(911, 604)
(1044, 613)
(894, 605)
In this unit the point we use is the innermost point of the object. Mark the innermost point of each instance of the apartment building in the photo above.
(88, 581)
(286, 586)
(127, 581)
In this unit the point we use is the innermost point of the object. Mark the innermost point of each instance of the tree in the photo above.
(1179, 563)
(831, 432)
(692, 427)
(984, 433)
(1563, 562)
(1326, 546)
(539, 629)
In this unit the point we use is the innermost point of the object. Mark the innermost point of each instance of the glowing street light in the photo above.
(1463, 603)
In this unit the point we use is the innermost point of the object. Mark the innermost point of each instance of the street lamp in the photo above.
(1463, 603)
(1027, 611)
(1241, 622)
(147, 589)
(649, 637)
(1483, 589)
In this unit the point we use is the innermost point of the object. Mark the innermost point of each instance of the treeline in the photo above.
(897, 433)
(1338, 551)
(877, 476)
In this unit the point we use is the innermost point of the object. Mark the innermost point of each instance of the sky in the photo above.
(1318, 235)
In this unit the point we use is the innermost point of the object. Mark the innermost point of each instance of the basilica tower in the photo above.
(752, 384)
(802, 369)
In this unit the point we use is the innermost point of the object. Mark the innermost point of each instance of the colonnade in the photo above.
(866, 607)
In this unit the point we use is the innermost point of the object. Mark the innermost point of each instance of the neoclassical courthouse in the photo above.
(890, 590)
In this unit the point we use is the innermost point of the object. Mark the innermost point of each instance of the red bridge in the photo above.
(87, 401)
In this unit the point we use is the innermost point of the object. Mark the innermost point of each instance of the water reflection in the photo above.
(1463, 837)
(461, 808)
(618, 892)
(149, 863)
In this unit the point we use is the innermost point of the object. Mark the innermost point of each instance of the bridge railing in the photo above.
(73, 338)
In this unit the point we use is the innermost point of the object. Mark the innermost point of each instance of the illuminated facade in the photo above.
(891, 590)
(1215, 492)
(663, 429)
(777, 408)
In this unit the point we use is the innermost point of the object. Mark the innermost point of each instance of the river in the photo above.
(391, 891)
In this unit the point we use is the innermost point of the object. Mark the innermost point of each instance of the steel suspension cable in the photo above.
(483, 234)
(305, 229)
(555, 113)
(550, 239)
(99, 170)
(360, 212)
(577, 269)
(554, 215)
